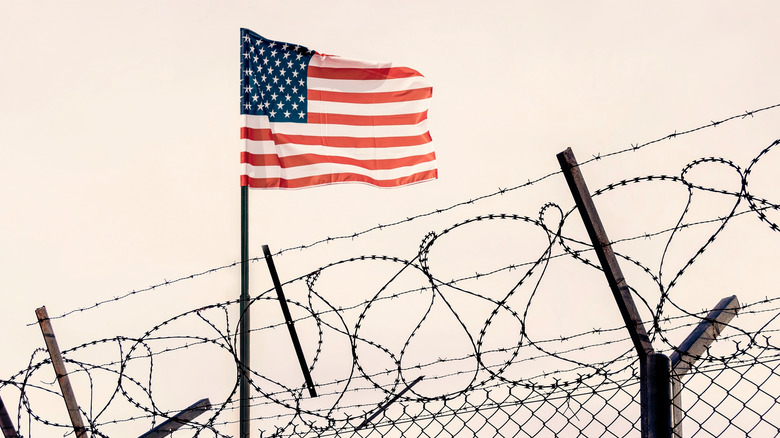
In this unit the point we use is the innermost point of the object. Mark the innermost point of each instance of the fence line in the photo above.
(491, 367)
(472, 201)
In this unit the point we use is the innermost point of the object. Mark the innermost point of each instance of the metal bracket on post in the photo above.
(169, 426)
(289, 321)
(656, 410)
(61, 373)
(693, 347)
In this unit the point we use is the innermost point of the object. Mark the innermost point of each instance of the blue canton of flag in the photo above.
(273, 78)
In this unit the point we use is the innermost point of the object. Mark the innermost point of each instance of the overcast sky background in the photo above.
(120, 152)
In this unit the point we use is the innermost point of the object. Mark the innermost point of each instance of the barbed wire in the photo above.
(472, 201)
(489, 367)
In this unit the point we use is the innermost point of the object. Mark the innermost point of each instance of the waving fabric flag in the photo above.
(312, 119)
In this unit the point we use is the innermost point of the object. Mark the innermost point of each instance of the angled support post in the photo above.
(61, 372)
(5, 422)
(172, 424)
(603, 248)
(289, 322)
(383, 407)
(693, 347)
(653, 367)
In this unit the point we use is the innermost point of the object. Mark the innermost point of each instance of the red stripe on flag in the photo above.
(308, 159)
(362, 73)
(337, 178)
(382, 97)
(256, 134)
(343, 142)
(354, 142)
(385, 120)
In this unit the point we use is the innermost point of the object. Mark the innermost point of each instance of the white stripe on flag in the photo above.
(332, 130)
(367, 85)
(369, 109)
(290, 150)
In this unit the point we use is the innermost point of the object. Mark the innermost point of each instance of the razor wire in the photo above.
(503, 379)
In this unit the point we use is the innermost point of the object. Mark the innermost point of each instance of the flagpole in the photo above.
(244, 317)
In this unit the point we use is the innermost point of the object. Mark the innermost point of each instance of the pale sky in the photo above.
(120, 152)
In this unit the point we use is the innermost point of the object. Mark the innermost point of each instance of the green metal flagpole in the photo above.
(244, 315)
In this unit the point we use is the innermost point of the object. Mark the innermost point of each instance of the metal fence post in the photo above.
(654, 392)
(657, 403)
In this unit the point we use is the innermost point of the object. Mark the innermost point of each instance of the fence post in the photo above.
(654, 399)
(61, 372)
(657, 412)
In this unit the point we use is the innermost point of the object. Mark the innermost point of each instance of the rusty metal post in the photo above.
(61, 373)
(5, 422)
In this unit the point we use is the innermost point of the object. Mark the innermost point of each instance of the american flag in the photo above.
(312, 119)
